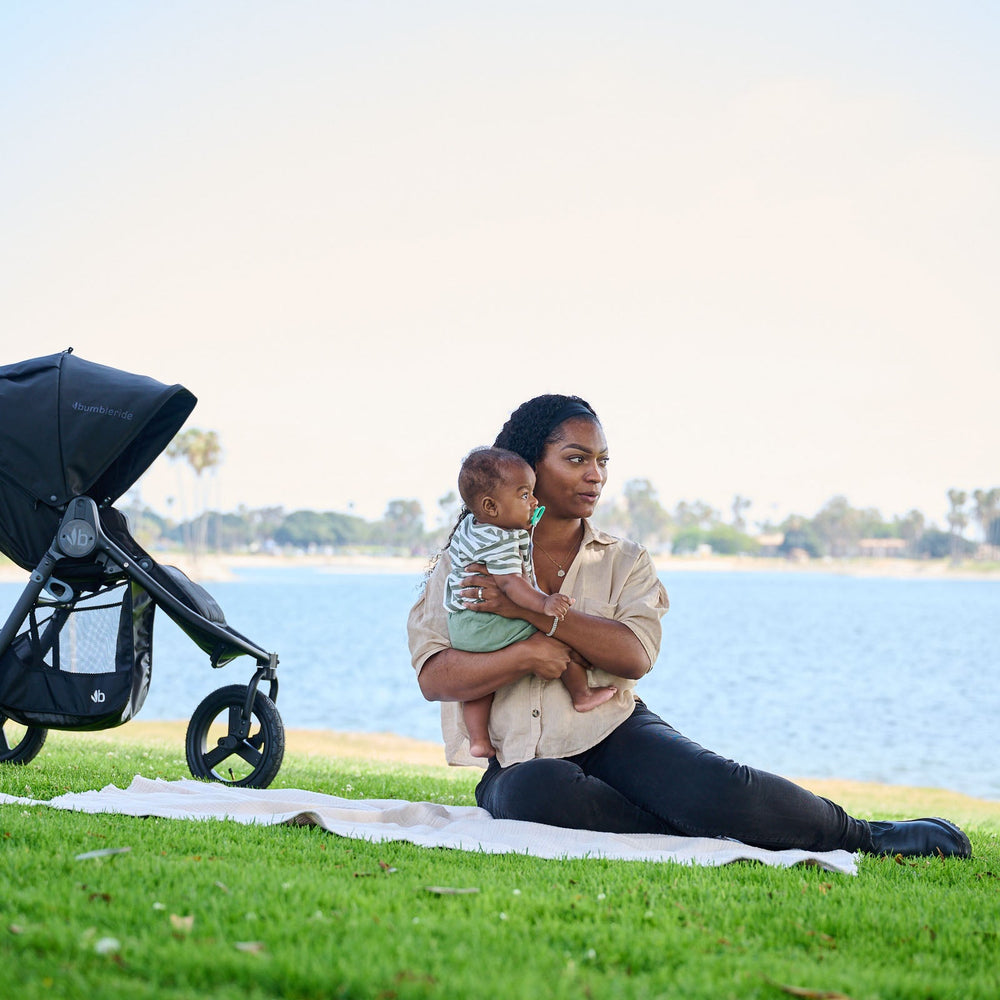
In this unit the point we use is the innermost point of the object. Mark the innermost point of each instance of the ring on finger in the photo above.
(480, 589)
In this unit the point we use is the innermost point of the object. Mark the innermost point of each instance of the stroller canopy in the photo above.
(69, 427)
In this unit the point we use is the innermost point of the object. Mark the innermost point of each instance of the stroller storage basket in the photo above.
(81, 665)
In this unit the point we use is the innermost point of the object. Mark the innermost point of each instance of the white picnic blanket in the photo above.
(427, 824)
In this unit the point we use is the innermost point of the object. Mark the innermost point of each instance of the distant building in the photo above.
(883, 548)
(770, 545)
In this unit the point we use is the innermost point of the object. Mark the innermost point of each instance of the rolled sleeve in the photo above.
(427, 625)
(642, 604)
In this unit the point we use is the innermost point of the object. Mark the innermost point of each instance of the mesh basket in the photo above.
(81, 665)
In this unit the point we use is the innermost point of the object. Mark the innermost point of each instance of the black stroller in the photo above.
(76, 651)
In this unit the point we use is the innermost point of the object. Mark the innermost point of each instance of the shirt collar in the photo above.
(595, 535)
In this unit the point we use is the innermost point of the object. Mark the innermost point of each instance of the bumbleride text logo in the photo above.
(102, 410)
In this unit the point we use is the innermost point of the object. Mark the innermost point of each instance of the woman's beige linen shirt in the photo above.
(610, 578)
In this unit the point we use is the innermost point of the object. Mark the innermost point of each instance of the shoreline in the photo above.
(224, 568)
(864, 797)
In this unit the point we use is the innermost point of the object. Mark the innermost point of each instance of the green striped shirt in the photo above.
(502, 550)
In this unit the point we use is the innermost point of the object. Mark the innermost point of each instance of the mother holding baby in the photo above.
(618, 767)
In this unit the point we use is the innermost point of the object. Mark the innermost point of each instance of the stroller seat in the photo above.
(196, 597)
(175, 581)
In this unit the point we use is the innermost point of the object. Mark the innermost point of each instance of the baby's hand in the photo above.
(558, 604)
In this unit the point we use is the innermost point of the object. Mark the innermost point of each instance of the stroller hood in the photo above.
(69, 427)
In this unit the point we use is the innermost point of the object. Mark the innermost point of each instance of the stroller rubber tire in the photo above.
(252, 762)
(26, 748)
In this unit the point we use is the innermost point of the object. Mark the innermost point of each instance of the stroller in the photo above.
(76, 651)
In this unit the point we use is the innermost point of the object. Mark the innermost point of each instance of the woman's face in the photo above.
(573, 469)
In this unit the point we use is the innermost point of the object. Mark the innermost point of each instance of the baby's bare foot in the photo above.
(593, 697)
(482, 748)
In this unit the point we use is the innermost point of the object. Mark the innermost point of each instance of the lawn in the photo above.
(188, 909)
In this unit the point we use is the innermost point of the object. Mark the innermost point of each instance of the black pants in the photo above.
(646, 777)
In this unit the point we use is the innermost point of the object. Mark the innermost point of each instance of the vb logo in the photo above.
(77, 538)
(98, 696)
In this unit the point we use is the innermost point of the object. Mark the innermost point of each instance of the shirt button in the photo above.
(535, 713)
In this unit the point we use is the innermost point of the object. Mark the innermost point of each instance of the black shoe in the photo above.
(916, 837)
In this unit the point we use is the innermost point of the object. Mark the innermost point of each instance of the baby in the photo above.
(497, 488)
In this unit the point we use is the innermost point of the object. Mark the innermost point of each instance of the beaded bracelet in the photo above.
(555, 624)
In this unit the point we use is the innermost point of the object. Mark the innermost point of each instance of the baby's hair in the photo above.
(483, 470)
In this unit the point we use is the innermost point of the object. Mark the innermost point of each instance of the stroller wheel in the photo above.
(19, 744)
(218, 749)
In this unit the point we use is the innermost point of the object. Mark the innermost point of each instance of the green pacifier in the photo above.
(537, 516)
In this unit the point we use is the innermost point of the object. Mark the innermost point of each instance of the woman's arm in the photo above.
(524, 595)
(604, 643)
(601, 642)
(447, 674)
(456, 675)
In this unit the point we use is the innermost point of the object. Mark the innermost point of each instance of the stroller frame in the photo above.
(82, 536)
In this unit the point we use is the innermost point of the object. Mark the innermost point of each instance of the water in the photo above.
(807, 674)
(832, 676)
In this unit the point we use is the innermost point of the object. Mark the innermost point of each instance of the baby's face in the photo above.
(515, 499)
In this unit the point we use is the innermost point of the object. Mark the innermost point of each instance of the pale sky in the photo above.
(760, 238)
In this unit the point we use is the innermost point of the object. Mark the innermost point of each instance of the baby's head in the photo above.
(498, 487)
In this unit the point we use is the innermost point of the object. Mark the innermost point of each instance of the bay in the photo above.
(803, 673)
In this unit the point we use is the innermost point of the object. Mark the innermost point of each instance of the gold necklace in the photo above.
(558, 565)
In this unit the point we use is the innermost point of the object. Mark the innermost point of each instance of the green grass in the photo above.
(221, 910)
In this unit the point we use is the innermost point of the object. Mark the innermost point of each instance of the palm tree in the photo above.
(987, 513)
(202, 450)
(740, 506)
(911, 527)
(957, 519)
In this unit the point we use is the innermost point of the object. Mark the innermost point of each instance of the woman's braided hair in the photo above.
(530, 427)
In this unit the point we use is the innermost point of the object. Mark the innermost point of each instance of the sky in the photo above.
(760, 238)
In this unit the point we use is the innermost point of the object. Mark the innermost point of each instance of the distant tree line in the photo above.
(271, 529)
(837, 529)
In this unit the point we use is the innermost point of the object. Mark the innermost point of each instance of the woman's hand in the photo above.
(481, 593)
(546, 658)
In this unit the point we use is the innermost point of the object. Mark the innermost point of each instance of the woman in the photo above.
(618, 768)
